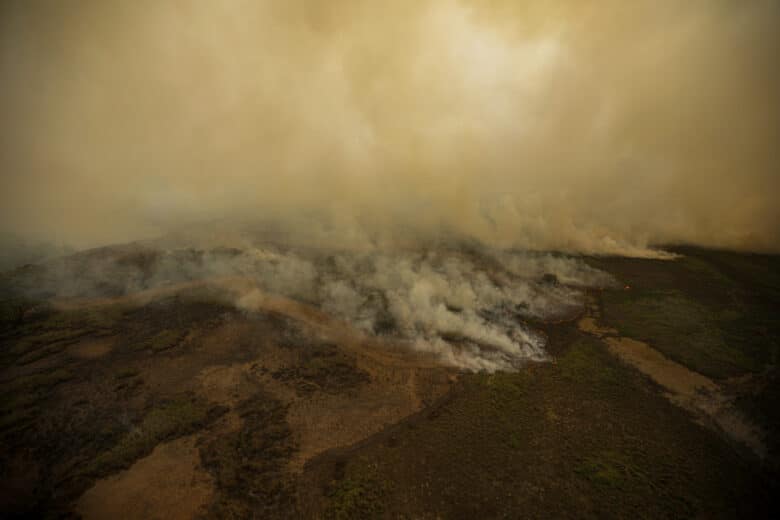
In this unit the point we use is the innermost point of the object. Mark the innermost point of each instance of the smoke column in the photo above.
(580, 126)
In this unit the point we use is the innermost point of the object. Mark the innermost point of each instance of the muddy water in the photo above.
(698, 394)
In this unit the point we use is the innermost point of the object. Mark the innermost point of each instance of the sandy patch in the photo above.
(92, 348)
(324, 421)
(222, 383)
(690, 390)
(673, 376)
(590, 325)
(168, 484)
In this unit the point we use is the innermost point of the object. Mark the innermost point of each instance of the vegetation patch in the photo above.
(325, 368)
(586, 363)
(22, 398)
(38, 383)
(607, 469)
(248, 465)
(13, 310)
(584, 434)
(164, 340)
(184, 310)
(714, 311)
(356, 496)
(126, 374)
(683, 329)
(165, 421)
(47, 332)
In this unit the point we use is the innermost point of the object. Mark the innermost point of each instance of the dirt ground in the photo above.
(175, 404)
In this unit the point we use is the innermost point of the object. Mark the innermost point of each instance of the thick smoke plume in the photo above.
(579, 126)
(473, 309)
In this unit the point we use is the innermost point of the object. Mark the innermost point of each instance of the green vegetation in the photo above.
(41, 353)
(323, 367)
(24, 396)
(586, 434)
(37, 384)
(683, 329)
(49, 332)
(605, 469)
(25, 348)
(248, 465)
(93, 319)
(126, 374)
(166, 421)
(13, 310)
(356, 496)
(585, 364)
(713, 311)
(616, 470)
(18, 413)
(756, 273)
(163, 340)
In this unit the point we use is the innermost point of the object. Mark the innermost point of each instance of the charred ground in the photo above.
(277, 413)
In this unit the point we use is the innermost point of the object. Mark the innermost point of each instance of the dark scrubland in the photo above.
(584, 437)
(716, 312)
(88, 391)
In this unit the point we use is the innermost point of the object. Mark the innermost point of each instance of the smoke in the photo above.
(600, 127)
(472, 309)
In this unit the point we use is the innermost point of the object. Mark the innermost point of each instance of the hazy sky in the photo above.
(583, 125)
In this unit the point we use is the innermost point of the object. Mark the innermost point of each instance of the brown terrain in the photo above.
(177, 402)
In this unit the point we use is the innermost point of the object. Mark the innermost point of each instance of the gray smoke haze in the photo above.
(473, 309)
(581, 126)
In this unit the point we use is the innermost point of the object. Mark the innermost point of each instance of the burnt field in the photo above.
(141, 383)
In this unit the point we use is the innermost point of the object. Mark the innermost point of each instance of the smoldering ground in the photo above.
(473, 308)
(600, 126)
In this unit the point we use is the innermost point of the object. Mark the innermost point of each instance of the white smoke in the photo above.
(472, 308)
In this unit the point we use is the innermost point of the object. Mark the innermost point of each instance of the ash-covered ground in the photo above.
(153, 380)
